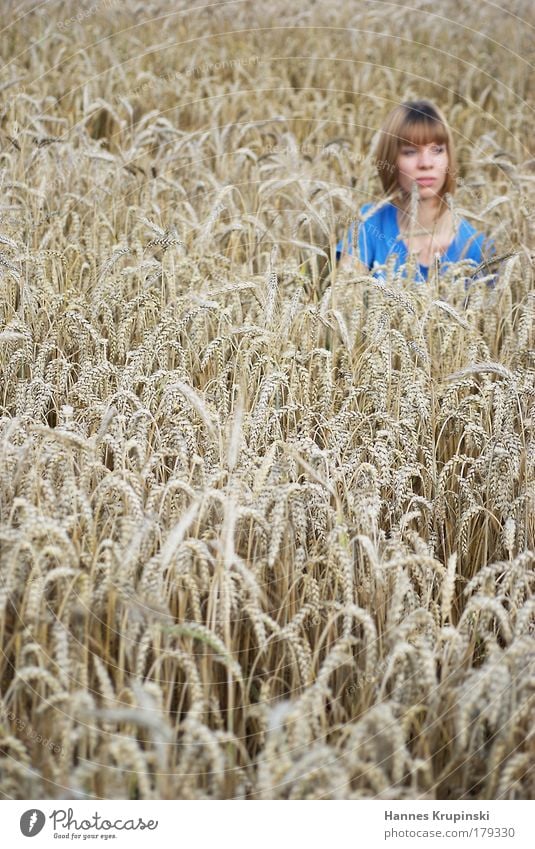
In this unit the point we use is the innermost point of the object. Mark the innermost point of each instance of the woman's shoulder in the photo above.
(374, 207)
(467, 229)
(378, 214)
(469, 235)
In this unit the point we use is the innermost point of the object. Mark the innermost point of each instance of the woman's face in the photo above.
(426, 165)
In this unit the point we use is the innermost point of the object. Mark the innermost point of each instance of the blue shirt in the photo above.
(379, 239)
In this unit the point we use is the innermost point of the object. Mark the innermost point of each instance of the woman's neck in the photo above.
(426, 214)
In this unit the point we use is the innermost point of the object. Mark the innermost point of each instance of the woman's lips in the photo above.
(425, 181)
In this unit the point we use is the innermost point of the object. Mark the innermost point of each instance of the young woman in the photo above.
(415, 159)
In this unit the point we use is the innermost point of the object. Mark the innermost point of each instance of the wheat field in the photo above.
(267, 527)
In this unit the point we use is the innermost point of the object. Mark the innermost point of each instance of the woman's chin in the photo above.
(428, 193)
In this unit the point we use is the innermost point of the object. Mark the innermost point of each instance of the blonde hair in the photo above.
(415, 122)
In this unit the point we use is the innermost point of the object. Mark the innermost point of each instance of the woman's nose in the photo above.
(424, 158)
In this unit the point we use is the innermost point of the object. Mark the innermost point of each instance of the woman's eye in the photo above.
(408, 151)
(438, 148)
